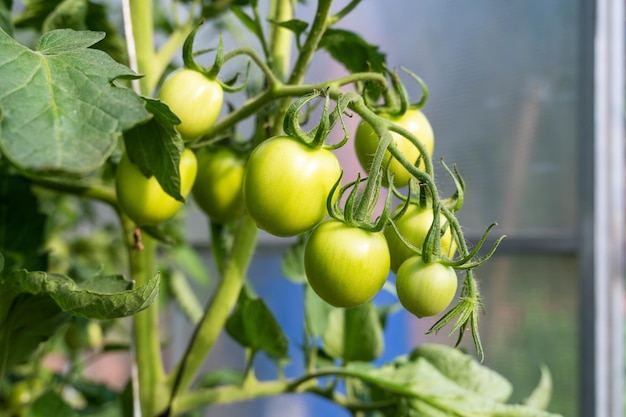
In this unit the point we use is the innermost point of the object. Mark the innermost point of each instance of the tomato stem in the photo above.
(219, 307)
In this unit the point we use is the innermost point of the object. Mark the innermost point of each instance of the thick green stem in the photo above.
(318, 27)
(142, 22)
(219, 307)
(281, 39)
(147, 347)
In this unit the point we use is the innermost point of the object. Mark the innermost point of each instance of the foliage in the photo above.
(79, 100)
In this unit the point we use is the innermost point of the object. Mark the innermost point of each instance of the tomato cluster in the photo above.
(287, 185)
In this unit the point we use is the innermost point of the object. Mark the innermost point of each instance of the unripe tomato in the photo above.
(195, 99)
(22, 393)
(413, 226)
(218, 189)
(346, 266)
(366, 142)
(84, 335)
(287, 183)
(425, 289)
(143, 199)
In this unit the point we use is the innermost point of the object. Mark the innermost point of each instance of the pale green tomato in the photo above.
(195, 99)
(425, 289)
(218, 189)
(366, 142)
(413, 226)
(143, 199)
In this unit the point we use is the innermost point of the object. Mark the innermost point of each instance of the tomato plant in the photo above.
(195, 99)
(143, 199)
(95, 244)
(414, 120)
(413, 226)
(346, 265)
(425, 289)
(218, 189)
(287, 183)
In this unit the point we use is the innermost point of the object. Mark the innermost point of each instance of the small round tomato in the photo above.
(143, 199)
(218, 189)
(425, 289)
(345, 265)
(413, 226)
(195, 99)
(366, 142)
(22, 393)
(84, 335)
(287, 183)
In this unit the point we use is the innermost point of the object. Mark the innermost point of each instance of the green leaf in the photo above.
(293, 262)
(540, 397)
(27, 320)
(68, 14)
(22, 225)
(50, 404)
(354, 334)
(465, 371)
(155, 147)
(59, 108)
(45, 15)
(101, 297)
(316, 312)
(351, 50)
(432, 394)
(253, 325)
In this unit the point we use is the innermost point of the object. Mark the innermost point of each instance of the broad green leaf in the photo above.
(155, 147)
(6, 22)
(293, 262)
(354, 334)
(102, 297)
(465, 371)
(59, 108)
(432, 394)
(50, 404)
(316, 312)
(253, 325)
(22, 225)
(27, 321)
(351, 50)
(46, 15)
(540, 397)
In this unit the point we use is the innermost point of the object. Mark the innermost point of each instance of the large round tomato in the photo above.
(143, 199)
(346, 266)
(425, 289)
(195, 99)
(366, 142)
(218, 189)
(413, 226)
(287, 183)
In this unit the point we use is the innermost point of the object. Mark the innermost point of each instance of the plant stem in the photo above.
(219, 307)
(280, 38)
(145, 323)
(142, 25)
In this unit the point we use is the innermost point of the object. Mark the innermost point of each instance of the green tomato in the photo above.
(84, 335)
(346, 266)
(366, 142)
(218, 189)
(195, 99)
(287, 183)
(425, 289)
(143, 199)
(413, 226)
(22, 393)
